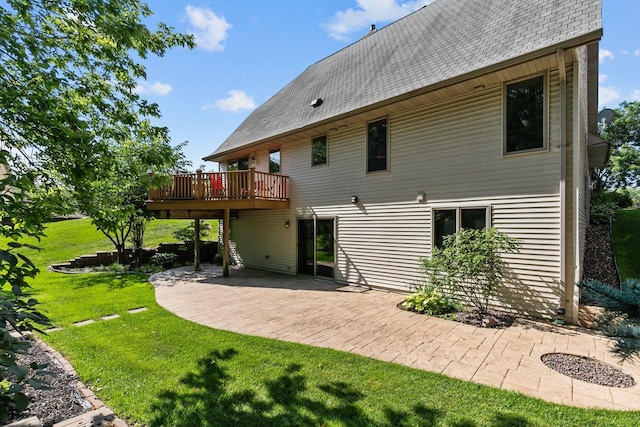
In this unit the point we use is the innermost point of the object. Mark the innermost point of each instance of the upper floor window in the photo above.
(525, 115)
(449, 221)
(241, 164)
(319, 151)
(377, 147)
(274, 161)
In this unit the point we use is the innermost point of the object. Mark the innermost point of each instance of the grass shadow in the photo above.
(112, 281)
(210, 397)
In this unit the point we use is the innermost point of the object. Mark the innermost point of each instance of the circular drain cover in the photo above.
(588, 370)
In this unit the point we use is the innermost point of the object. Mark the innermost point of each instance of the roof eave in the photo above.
(582, 40)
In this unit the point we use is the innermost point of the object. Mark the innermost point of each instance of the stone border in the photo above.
(87, 394)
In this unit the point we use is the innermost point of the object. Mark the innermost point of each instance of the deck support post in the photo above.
(196, 245)
(225, 243)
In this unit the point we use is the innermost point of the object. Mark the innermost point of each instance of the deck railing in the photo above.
(224, 186)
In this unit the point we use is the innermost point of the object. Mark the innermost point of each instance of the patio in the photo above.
(368, 323)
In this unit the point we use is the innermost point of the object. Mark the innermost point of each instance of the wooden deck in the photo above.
(209, 194)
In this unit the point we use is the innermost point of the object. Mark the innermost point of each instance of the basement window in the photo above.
(449, 221)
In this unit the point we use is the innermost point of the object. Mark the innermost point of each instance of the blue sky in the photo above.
(248, 50)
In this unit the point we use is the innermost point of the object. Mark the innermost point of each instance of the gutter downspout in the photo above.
(563, 188)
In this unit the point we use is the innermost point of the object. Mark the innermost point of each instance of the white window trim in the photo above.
(545, 131)
(366, 146)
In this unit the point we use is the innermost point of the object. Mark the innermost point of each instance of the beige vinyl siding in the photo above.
(262, 241)
(450, 150)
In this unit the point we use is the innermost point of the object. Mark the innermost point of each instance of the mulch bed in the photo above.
(473, 317)
(60, 401)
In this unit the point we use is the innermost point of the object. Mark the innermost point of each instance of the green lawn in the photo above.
(626, 242)
(155, 369)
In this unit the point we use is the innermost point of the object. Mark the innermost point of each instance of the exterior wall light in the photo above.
(354, 199)
(287, 224)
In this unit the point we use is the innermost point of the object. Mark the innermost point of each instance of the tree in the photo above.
(623, 168)
(68, 69)
(115, 198)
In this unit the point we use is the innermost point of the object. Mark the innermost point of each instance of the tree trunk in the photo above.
(120, 254)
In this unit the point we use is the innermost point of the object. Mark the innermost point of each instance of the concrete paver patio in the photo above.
(368, 323)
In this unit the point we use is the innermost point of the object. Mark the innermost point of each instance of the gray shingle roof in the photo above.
(445, 40)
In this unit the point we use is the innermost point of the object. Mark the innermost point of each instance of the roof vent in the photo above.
(372, 30)
(316, 102)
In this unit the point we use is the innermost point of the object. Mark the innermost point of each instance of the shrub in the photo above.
(602, 213)
(188, 233)
(605, 203)
(621, 316)
(163, 259)
(470, 265)
(428, 300)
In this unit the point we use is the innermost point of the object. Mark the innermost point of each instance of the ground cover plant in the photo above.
(155, 369)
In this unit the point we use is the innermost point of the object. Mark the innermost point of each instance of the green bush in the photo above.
(603, 212)
(470, 265)
(188, 233)
(428, 300)
(605, 203)
(163, 259)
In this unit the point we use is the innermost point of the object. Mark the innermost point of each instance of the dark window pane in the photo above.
(525, 115)
(274, 161)
(239, 165)
(243, 164)
(319, 150)
(473, 218)
(445, 224)
(377, 146)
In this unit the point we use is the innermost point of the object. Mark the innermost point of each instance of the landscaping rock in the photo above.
(589, 370)
(599, 256)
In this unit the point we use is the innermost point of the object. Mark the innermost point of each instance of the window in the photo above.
(525, 115)
(241, 164)
(377, 145)
(448, 221)
(319, 151)
(274, 161)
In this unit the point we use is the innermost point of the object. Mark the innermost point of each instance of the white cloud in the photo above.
(608, 95)
(635, 95)
(368, 12)
(624, 52)
(236, 101)
(602, 78)
(156, 88)
(605, 54)
(209, 29)
(636, 53)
